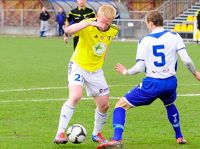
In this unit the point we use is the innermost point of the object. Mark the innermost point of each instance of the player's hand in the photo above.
(197, 75)
(121, 68)
(96, 24)
(66, 38)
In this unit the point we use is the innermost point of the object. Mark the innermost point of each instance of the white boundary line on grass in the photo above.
(57, 88)
(32, 89)
(44, 100)
(84, 98)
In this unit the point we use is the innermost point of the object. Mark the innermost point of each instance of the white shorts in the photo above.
(44, 26)
(94, 82)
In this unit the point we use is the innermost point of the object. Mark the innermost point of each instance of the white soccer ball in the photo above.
(76, 133)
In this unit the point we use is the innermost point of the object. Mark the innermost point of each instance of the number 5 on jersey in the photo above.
(160, 54)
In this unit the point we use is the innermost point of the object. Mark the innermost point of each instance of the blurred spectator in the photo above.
(44, 24)
(129, 4)
(197, 35)
(117, 22)
(198, 19)
(152, 4)
(60, 19)
(117, 14)
(76, 15)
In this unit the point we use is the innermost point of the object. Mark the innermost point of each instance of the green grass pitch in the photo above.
(33, 83)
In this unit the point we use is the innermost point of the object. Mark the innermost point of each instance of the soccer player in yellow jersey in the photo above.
(85, 68)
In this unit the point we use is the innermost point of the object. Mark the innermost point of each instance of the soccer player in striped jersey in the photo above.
(157, 56)
(85, 68)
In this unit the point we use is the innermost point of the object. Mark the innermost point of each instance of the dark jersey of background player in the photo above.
(198, 19)
(78, 14)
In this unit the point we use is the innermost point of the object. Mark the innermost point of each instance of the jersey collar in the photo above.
(81, 8)
(157, 30)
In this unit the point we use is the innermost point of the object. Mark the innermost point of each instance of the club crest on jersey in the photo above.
(99, 48)
(102, 38)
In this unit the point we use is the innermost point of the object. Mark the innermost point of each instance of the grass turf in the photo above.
(36, 66)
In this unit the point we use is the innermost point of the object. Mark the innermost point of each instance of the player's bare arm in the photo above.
(188, 63)
(66, 36)
(197, 75)
(121, 68)
(97, 24)
(76, 27)
(79, 26)
(137, 68)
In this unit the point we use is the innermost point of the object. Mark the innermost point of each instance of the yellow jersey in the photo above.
(197, 35)
(92, 46)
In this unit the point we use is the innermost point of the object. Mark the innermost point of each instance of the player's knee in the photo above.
(123, 104)
(104, 108)
(74, 99)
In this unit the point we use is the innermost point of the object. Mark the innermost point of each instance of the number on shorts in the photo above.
(77, 77)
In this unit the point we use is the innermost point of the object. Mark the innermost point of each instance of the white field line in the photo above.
(32, 89)
(48, 88)
(188, 95)
(57, 88)
(84, 98)
(44, 100)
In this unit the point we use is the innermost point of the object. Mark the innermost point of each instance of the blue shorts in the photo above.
(151, 89)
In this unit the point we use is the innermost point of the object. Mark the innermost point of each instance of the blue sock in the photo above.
(173, 117)
(42, 33)
(119, 115)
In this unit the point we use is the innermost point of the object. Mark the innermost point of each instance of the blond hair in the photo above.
(108, 11)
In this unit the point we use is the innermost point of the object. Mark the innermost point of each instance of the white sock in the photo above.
(100, 120)
(65, 116)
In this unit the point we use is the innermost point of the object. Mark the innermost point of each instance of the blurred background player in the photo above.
(76, 15)
(198, 26)
(198, 19)
(157, 56)
(44, 24)
(85, 68)
(60, 19)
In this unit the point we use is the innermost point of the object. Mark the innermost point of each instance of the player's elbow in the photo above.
(69, 30)
(140, 70)
(187, 62)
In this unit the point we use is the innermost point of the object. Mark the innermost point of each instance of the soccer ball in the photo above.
(76, 133)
